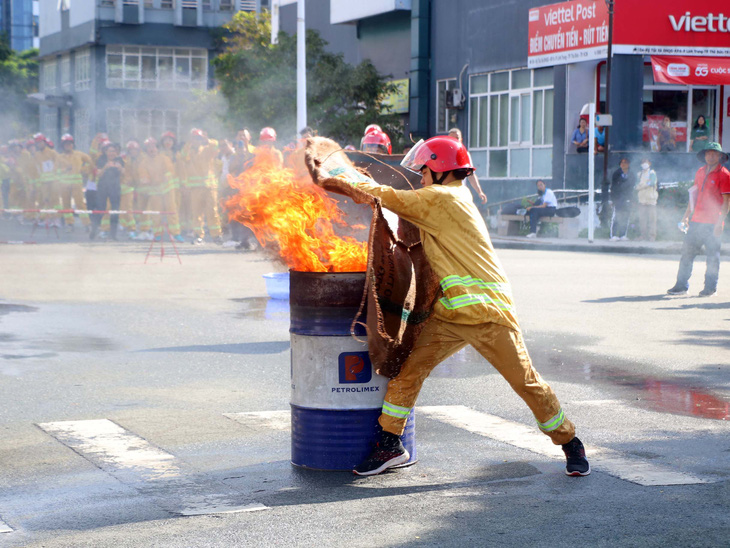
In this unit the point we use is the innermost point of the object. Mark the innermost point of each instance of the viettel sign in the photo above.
(710, 71)
(672, 27)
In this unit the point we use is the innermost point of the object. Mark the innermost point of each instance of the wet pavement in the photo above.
(157, 357)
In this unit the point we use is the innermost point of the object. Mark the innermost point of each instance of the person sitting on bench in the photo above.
(545, 206)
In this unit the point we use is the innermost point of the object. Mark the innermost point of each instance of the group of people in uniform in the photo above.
(149, 186)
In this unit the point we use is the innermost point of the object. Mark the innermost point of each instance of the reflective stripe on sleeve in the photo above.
(469, 299)
(468, 281)
(553, 423)
(396, 410)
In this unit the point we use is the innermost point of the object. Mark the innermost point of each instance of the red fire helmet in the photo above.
(439, 154)
(376, 141)
(372, 128)
(169, 134)
(132, 144)
(195, 132)
(50, 143)
(38, 137)
(150, 141)
(67, 137)
(268, 134)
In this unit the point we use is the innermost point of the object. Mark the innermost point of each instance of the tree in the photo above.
(18, 77)
(259, 81)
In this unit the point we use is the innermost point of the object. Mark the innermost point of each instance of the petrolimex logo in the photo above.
(355, 368)
(680, 70)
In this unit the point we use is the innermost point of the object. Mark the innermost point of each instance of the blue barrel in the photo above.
(336, 397)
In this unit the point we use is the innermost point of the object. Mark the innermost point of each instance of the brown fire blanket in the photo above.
(400, 289)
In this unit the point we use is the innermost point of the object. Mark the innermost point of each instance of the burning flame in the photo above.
(295, 217)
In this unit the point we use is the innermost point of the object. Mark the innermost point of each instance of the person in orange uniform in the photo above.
(376, 141)
(130, 178)
(267, 145)
(48, 195)
(73, 167)
(477, 306)
(156, 173)
(199, 156)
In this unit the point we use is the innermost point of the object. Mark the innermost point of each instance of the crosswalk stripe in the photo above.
(152, 471)
(522, 436)
(4, 527)
(272, 420)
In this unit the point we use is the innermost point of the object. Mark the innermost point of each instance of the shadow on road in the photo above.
(628, 299)
(718, 338)
(235, 348)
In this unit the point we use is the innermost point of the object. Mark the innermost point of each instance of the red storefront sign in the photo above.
(695, 71)
(569, 32)
(672, 27)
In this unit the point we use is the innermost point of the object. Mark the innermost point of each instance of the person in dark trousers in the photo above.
(705, 215)
(545, 206)
(623, 182)
(109, 188)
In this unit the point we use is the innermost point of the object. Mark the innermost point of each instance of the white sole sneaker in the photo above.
(395, 461)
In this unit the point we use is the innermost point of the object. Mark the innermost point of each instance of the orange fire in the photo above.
(295, 217)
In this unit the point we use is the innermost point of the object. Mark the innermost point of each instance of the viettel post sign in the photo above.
(569, 32)
(672, 27)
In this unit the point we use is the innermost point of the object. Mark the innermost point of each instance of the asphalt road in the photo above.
(128, 390)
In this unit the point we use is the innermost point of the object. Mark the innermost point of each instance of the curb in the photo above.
(548, 245)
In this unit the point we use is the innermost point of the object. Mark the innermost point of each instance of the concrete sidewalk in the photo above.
(598, 246)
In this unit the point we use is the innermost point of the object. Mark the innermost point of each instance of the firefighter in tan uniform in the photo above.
(47, 188)
(477, 307)
(199, 157)
(130, 178)
(156, 173)
(73, 167)
(18, 187)
(29, 170)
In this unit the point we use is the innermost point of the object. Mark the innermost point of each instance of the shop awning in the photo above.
(696, 71)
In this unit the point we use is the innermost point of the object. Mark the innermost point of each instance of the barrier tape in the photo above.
(16, 242)
(88, 212)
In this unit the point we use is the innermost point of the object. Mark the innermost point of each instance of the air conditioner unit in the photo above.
(455, 99)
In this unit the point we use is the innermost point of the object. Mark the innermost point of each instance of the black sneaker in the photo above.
(388, 452)
(575, 454)
(707, 292)
(218, 240)
(676, 290)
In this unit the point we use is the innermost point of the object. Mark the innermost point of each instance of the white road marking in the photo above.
(529, 438)
(152, 471)
(272, 420)
(4, 527)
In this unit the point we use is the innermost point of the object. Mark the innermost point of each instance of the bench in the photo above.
(509, 225)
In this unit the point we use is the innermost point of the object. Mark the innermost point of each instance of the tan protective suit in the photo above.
(156, 174)
(201, 184)
(47, 190)
(477, 307)
(72, 168)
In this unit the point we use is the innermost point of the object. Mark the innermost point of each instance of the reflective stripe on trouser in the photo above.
(49, 197)
(164, 202)
(184, 209)
(503, 347)
(144, 222)
(126, 203)
(204, 204)
(74, 191)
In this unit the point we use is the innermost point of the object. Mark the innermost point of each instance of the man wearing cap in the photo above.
(706, 212)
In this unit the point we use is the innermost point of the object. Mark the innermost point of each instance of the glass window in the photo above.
(483, 126)
(543, 77)
(524, 118)
(500, 81)
(156, 68)
(473, 122)
(520, 162)
(514, 126)
(503, 119)
(82, 69)
(494, 121)
(445, 118)
(479, 84)
(498, 163)
(549, 114)
(520, 79)
(538, 134)
(542, 162)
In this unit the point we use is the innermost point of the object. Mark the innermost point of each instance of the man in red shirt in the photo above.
(706, 212)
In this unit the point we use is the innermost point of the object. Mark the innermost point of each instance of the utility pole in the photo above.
(301, 68)
(609, 61)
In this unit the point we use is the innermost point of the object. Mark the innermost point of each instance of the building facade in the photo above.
(520, 109)
(125, 67)
(19, 22)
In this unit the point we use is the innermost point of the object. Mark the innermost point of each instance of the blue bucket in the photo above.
(277, 285)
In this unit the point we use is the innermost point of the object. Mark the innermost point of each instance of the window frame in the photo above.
(497, 140)
(175, 80)
(450, 83)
